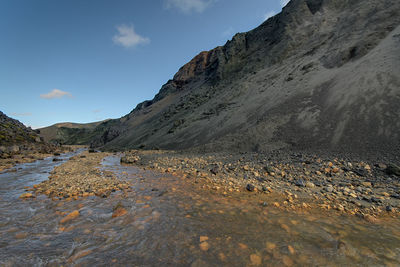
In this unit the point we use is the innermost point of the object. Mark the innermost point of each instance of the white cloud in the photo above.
(188, 6)
(55, 93)
(127, 37)
(284, 2)
(269, 14)
(23, 114)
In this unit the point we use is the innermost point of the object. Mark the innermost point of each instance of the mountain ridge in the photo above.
(291, 83)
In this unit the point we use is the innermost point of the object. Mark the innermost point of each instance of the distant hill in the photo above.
(68, 133)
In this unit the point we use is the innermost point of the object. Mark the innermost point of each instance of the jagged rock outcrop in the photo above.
(322, 74)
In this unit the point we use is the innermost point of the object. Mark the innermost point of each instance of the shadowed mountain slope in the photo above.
(69, 133)
(322, 74)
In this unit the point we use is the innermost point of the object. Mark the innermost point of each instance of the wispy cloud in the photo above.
(55, 93)
(284, 2)
(269, 14)
(23, 114)
(189, 6)
(127, 37)
(96, 110)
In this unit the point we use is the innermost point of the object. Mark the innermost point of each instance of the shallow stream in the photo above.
(171, 222)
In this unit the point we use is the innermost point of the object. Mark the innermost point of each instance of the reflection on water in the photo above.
(170, 222)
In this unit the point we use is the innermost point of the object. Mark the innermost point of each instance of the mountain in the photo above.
(320, 75)
(68, 133)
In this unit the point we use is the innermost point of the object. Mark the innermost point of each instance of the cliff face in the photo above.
(322, 74)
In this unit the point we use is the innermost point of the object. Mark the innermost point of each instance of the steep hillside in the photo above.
(322, 74)
(14, 132)
(70, 133)
(16, 138)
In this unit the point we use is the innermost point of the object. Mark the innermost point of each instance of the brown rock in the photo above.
(120, 211)
(204, 246)
(70, 216)
(26, 195)
(255, 260)
(203, 238)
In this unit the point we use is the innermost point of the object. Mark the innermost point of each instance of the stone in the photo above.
(27, 195)
(389, 208)
(203, 238)
(250, 187)
(291, 250)
(360, 172)
(335, 170)
(204, 246)
(310, 185)
(70, 216)
(268, 169)
(300, 183)
(243, 246)
(287, 261)
(329, 188)
(270, 246)
(393, 169)
(214, 170)
(120, 211)
(255, 260)
(366, 184)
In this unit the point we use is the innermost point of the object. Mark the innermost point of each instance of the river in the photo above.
(170, 222)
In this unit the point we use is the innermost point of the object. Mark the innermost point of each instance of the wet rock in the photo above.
(70, 216)
(57, 159)
(27, 195)
(119, 210)
(250, 187)
(393, 169)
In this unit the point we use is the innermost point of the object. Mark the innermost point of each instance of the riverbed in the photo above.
(172, 222)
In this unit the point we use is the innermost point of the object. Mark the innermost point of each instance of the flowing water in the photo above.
(171, 222)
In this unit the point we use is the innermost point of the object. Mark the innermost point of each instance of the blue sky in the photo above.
(84, 61)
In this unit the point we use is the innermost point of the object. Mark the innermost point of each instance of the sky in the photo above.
(89, 60)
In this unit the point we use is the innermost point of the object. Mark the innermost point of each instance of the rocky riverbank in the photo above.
(366, 189)
(80, 176)
(26, 154)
